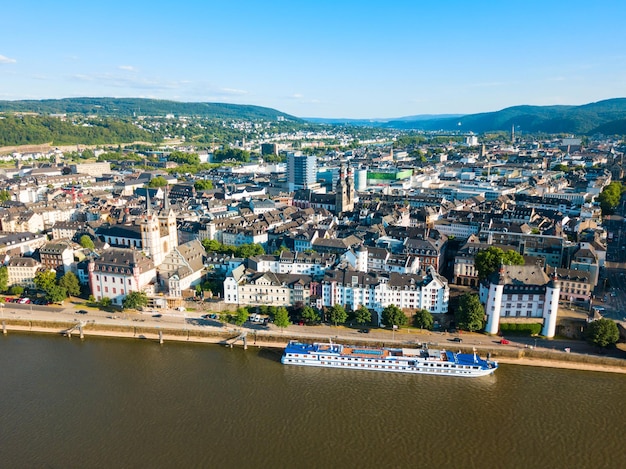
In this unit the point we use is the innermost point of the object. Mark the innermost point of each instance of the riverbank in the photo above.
(231, 336)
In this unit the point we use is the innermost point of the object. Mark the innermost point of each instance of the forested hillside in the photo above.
(28, 130)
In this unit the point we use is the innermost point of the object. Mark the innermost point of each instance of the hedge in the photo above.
(513, 328)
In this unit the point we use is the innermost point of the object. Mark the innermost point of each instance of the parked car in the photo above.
(503, 341)
(81, 311)
(24, 301)
(457, 339)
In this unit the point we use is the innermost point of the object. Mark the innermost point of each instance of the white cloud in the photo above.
(233, 91)
(128, 68)
(6, 60)
(296, 96)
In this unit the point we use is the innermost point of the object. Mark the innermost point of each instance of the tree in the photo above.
(602, 332)
(135, 300)
(610, 197)
(4, 278)
(394, 316)
(231, 154)
(5, 195)
(105, 302)
(86, 242)
(45, 280)
(363, 315)
(158, 181)
(56, 294)
(17, 290)
(69, 281)
(241, 316)
(337, 314)
(310, 315)
(203, 185)
(281, 317)
(249, 250)
(489, 260)
(184, 158)
(423, 319)
(470, 313)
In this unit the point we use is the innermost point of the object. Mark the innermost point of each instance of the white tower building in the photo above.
(551, 306)
(361, 258)
(494, 303)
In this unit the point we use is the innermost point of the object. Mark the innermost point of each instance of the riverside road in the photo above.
(193, 321)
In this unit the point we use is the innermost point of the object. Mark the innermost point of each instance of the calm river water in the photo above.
(120, 403)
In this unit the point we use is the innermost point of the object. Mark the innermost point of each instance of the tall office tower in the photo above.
(301, 171)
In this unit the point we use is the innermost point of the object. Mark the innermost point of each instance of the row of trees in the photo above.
(245, 250)
(57, 290)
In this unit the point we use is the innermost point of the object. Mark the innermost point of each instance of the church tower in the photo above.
(344, 197)
(167, 223)
(151, 233)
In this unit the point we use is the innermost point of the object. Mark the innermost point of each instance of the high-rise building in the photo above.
(301, 171)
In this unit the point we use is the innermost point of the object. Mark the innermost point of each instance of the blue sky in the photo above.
(319, 58)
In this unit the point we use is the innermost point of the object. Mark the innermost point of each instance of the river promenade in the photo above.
(176, 326)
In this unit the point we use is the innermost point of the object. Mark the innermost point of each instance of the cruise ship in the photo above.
(400, 360)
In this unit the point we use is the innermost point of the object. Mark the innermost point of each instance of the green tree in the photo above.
(135, 300)
(203, 185)
(184, 158)
(211, 245)
(310, 315)
(423, 319)
(489, 260)
(56, 294)
(610, 197)
(337, 314)
(17, 290)
(249, 250)
(602, 332)
(241, 316)
(45, 280)
(363, 315)
(281, 317)
(4, 278)
(470, 314)
(69, 281)
(105, 302)
(394, 316)
(86, 242)
(234, 154)
(158, 181)
(5, 195)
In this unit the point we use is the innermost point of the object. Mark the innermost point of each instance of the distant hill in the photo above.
(378, 121)
(608, 117)
(127, 107)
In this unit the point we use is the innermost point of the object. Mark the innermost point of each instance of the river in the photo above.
(130, 404)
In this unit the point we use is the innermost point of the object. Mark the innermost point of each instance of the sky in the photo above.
(333, 59)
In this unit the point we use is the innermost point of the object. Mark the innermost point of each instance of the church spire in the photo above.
(148, 201)
(166, 201)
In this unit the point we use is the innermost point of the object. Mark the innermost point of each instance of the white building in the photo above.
(118, 272)
(376, 291)
(21, 271)
(521, 291)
